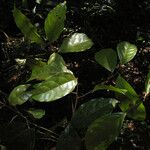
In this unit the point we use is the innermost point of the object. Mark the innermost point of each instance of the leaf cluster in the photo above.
(95, 124)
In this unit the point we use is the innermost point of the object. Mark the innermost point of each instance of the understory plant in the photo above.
(95, 124)
(108, 58)
(129, 101)
(54, 79)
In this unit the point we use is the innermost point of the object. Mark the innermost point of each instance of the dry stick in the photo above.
(3, 93)
(17, 112)
(77, 98)
(88, 93)
(76, 101)
(13, 118)
(74, 106)
(7, 37)
(28, 122)
(52, 138)
(42, 128)
(146, 95)
(49, 139)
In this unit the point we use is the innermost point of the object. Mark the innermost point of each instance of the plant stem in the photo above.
(28, 122)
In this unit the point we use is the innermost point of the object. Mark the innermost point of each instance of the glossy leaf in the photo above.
(54, 87)
(56, 61)
(26, 27)
(18, 96)
(38, 1)
(36, 113)
(111, 88)
(54, 23)
(132, 108)
(69, 140)
(107, 58)
(137, 112)
(130, 97)
(129, 103)
(42, 70)
(78, 42)
(147, 84)
(90, 111)
(123, 84)
(125, 103)
(126, 51)
(103, 131)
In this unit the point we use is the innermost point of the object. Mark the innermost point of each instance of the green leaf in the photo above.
(103, 131)
(18, 96)
(130, 98)
(78, 42)
(39, 1)
(107, 58)
(126, 51)
(24, 24)
(111, 88)
(90, 111)
(54, 87)
(147, 84)
(42, 70)
(37, 113)
(69, 140)
(54, 23)
(123, 84)
(56, 61)
(137, 112)
(131, 103)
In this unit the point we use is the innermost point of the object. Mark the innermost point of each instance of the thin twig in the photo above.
(49, 139)
(55, 139)
(42, 128)
(146, 95)
(88, 93)
(27, 121)
(76, 101)
(13, 118)
(3, 93)
(6, 36)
